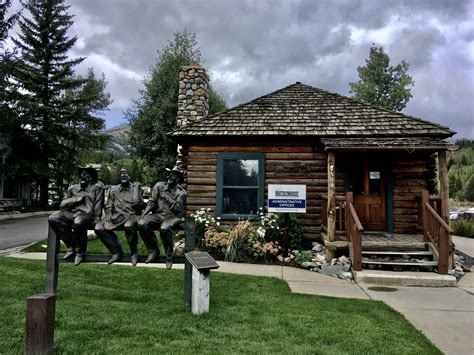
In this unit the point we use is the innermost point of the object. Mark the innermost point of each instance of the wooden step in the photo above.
(416, 252)
(400, 263)
(387, 246)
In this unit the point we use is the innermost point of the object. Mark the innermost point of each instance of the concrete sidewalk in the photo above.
(6, 217)
(444, 314)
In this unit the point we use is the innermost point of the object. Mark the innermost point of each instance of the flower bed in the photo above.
(262, 240)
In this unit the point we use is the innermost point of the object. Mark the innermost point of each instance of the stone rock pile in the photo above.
(462, 264)
(338, 267)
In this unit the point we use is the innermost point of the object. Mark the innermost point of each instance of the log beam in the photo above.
(331, 207)
(443, 186)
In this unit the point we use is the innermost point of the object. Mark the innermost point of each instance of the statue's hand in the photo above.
(108, 218)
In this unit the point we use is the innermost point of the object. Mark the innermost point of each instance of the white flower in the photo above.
(218, 224)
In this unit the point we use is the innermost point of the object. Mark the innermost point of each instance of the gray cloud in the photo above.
(255, 47)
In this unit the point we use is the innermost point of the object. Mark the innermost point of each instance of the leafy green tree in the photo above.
(154, 113)
(381, 84)
(58, 111)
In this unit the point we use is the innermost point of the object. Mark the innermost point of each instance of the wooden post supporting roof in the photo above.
(331, 209)
(444, 194)
(443, 185)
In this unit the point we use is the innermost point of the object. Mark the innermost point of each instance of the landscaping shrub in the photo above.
(274, 226)
(302, 257)
(204, 219)
(240, 246)
(463, 228)
(215, 242)
(247, 240)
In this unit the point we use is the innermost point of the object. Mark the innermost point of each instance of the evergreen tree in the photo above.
(381, 84)
(57, 110)
(453, 185)
(154, 114)
(7, 61)
(469, 191)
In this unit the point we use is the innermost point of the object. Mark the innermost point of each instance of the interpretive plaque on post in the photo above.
(201, 260)
(202, 264)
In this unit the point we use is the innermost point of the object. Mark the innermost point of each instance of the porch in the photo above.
(430, 249)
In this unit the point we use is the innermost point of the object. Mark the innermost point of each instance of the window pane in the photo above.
(240, 172)
(240, 201)
(358, 182)
(374, 183)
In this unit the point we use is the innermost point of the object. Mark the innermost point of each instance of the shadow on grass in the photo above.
(119, 309)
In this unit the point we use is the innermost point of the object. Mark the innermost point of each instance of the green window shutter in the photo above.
(239, 192)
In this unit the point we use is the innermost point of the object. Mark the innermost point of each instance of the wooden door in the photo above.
(368, 186)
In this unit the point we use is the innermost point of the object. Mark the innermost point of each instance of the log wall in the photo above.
(284, 164)
(411, 174)
(306, 163)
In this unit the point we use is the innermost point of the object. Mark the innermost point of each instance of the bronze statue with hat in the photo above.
(122, 209)
(79, 211)
(164, 212)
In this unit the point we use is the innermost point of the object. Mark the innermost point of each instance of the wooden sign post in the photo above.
(202, 264)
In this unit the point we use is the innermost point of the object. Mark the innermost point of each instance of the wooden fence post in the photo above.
(425, 198)
(443, 259)
(189, 229)
(52, 265)
(40, 315)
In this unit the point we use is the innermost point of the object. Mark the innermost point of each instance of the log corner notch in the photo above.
(331, 206)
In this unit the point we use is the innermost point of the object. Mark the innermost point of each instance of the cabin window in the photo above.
(240, 185)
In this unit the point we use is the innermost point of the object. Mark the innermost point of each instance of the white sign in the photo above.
(374, 175)
(287, 198)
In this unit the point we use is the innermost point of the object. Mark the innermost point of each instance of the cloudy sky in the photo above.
(254, 47)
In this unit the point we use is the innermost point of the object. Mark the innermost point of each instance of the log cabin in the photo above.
(370, 173)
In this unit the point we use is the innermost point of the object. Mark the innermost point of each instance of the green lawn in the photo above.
(115, 309)
(97, 247)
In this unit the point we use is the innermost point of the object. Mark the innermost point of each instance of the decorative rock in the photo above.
(317, 247)
(346, 267)
(331, 270)
(320, 258)
(334, 261)
(280, 258)
(344, 260)
(308, 265)
(344, 275)
(287, 260)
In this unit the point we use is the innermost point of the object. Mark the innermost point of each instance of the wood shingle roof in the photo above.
(302, 110)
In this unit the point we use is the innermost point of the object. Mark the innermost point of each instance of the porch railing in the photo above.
(435, 203)
(340, 214)
(436, 231)
(354, 231)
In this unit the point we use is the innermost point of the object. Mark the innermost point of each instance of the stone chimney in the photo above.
(193, 97)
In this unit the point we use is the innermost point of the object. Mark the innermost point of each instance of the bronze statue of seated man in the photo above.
(79, 211)
(124, 206)
(167, 207)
